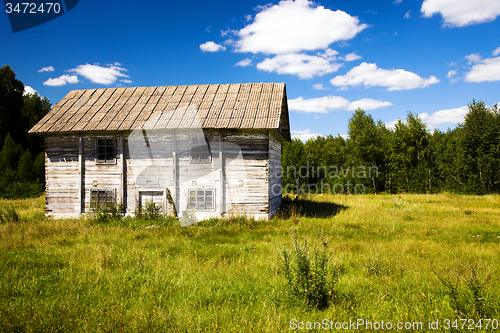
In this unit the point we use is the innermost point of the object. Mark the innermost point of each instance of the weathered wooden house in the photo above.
(215, 148)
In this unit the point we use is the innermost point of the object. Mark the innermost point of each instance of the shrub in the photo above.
(307, 273)
(9, 214)
(466, 288)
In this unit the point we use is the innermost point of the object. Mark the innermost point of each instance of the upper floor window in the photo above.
(199, 150)
(106, 150)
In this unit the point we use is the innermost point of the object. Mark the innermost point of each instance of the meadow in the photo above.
(391, 258)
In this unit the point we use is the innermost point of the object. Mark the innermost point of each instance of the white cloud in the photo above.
(47, 69)
(351, 57)
(100, 74)
(294, 26)
(398, 1)
(367, 104)
(303, 65)
(496, 51)
(244, 63)
(451, 73)
(473, 58)
(460, 13)
(391, 124)
(319, 86)
(29, 90)
(407, 15)
(304, 135)
(126, 81)
(61, 80)
(450, 116)
(487, 70)
(333, 103)
(212, 47)
(227, 32)
(370, 76)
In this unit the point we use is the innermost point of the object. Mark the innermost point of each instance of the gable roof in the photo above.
(235, 106)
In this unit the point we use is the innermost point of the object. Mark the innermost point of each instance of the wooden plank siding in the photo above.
(274, 181)
(149, 166)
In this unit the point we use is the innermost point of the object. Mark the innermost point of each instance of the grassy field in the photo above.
(404, 258)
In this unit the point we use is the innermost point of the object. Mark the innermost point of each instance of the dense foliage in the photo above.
(22, 156)
(409, 158)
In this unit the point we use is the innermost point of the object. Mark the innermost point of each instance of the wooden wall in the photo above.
(157, 160)
(61, 176)
(274, 174)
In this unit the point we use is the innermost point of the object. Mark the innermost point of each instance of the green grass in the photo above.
(393, 256)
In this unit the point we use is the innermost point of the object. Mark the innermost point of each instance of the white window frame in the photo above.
(197, 205)
(105, 161)
(199, 161)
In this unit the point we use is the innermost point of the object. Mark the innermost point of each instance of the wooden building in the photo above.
(215, 148)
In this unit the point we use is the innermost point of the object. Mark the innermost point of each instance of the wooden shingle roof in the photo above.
(235, 106)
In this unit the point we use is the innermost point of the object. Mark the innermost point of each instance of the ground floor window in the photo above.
(201, 199)
(102, 199)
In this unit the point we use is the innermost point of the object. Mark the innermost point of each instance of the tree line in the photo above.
(22, 157)
(373, 159)
(407, 159)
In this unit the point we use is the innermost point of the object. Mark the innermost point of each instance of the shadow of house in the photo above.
(308, 208)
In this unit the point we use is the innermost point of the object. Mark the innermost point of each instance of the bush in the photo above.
(466, 287)
(9, 214)
(307, 273)
(150, 211)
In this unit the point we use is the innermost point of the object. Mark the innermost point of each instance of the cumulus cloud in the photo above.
(212, 47)
(29, 90)
(450, 116)
(473, 58)
(351, 57)
(61, 80)
(319, 86)
(304, 135)
(370, 76)
(460, 13)
(46, 69)
(100, 74)
(451, 75)
(496, 51)
(303, 65)
(407, 15)
(333, 103)
(244, 63)
(487, 70)
(294, 26)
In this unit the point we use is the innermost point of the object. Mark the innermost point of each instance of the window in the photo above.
(102, 199)
(105, 150)
(155, 197)
(201, 199)
(199, 150)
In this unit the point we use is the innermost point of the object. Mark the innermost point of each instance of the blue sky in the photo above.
(430, 57)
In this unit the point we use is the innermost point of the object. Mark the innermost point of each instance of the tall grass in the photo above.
(393, 256)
